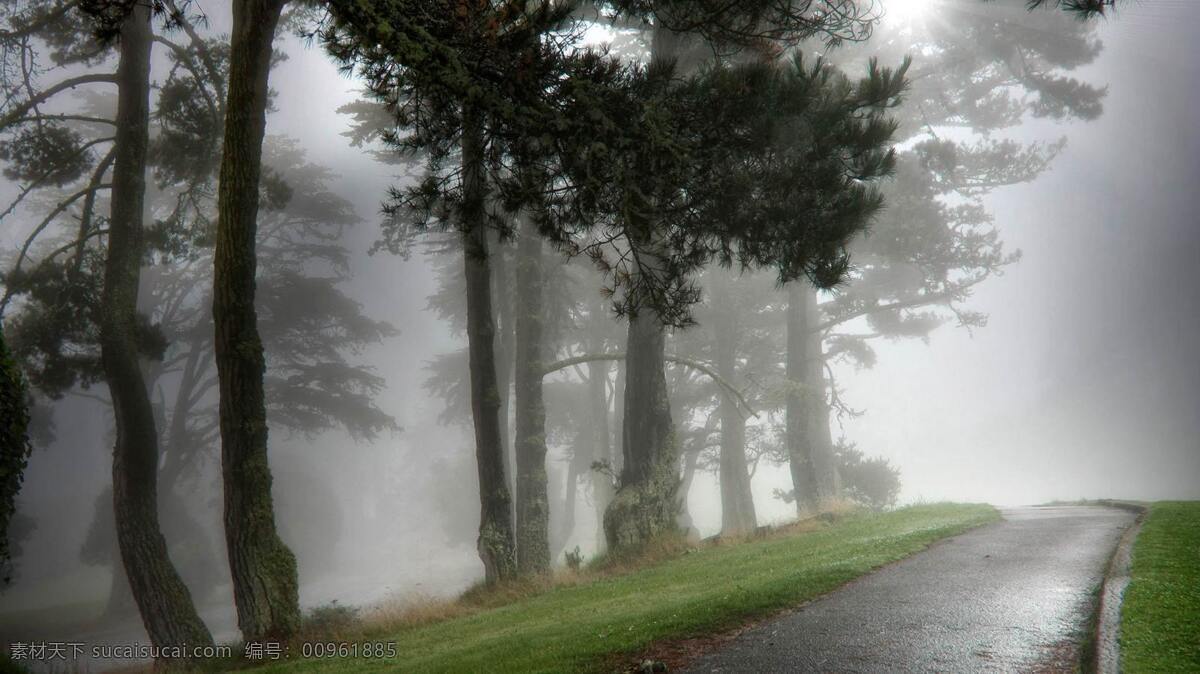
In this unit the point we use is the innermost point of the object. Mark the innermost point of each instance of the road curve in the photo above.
(1014, 596)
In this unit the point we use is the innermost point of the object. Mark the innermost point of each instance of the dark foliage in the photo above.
(14, 451)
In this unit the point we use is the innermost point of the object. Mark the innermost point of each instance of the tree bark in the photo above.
(495, 543)
(265, 584)
(810, 457)
(737, 500)
(533, 508)
(163, 600)
(646, 503)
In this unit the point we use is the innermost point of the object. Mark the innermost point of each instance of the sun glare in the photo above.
(902, 11)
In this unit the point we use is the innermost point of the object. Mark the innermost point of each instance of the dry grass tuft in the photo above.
(413, 610)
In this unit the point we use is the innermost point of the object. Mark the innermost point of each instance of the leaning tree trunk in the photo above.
(495, 543)
(533, 508)
(163, 600)
(265, 585)
(811, 459)
(737, 501)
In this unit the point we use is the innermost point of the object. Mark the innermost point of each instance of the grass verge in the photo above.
(1160, 614)
(583, 625)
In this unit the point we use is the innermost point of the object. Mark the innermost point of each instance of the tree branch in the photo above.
(679, 360)
(19, 111)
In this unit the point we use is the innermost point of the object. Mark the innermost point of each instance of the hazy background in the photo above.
(1085, 383)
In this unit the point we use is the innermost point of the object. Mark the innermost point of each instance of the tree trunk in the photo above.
(737, 500)
(646, 503)
(819, 438)
(505, 353)
(495, 542)
(567, 523)
(820, 426)
(810, 457)
(691, 462)
(602, 486)
(263, 569)
(533, 508)
(162, 599)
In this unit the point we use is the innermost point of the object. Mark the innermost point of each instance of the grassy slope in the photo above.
(1160, 615)
(576, 627)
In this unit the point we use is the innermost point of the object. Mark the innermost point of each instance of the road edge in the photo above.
(1106, 658)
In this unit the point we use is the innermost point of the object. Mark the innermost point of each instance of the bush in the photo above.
(871, 482)
(331, 619)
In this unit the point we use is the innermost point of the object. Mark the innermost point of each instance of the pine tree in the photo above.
(936, 242)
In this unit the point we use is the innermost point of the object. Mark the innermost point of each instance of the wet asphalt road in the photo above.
(1014, 596)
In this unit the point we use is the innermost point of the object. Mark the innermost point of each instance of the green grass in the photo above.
(1160, 614)
(583, 627)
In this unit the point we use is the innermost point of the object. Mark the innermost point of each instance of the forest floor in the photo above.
(606, 619)
(1160, 614)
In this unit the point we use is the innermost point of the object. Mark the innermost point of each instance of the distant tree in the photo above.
(980, 73)
(754, 191)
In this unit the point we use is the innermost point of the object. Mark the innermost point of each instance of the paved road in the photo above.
(1014, 596)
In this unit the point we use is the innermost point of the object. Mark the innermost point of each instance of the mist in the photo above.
(1074, 376)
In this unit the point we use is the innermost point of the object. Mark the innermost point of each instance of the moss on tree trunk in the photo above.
(265, 584)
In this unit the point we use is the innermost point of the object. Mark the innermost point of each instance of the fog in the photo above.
(1083, 384)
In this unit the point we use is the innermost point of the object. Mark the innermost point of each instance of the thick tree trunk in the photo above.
(495, 542)
(811, 458)
(265, 586)
(647, 502)
(737, 501)
(533, 508)
(162, 599)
